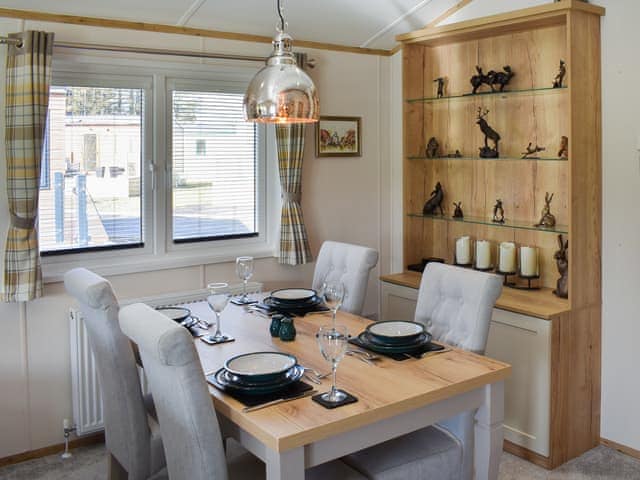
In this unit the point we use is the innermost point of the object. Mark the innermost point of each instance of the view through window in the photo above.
(213, 167)
(92, 196)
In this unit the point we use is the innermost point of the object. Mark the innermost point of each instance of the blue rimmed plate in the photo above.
(260, 367)
(395, 332)
(226, 381)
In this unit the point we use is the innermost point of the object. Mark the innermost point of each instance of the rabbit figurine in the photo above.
(562, 259)
(547, 220)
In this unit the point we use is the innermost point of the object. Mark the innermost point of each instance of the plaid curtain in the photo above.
(294, 244)
(28, 76)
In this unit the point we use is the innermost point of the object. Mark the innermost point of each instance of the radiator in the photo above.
(86, 394)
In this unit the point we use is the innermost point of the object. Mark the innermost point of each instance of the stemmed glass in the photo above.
(244, 270)
(332, 340)
(218, 299)
(333, 295)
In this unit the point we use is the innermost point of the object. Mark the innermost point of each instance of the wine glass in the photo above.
(333, 295)
(332, 340)
(218, 300)
(244, 270)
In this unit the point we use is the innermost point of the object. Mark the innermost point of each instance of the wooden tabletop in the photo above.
(385, 390)
(536, 303)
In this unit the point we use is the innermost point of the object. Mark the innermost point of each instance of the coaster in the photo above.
(399, 357)
(239, 301)
(212, 341)
(348, 399)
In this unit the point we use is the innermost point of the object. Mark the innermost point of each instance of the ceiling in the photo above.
(357, 23)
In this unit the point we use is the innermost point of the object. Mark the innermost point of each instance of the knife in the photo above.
(278, 401)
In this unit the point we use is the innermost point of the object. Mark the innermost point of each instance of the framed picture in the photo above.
(338, 137)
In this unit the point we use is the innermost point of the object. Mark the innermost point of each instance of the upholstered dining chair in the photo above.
(456, 305)
(192, 439)
(132, 435)
(349, 264)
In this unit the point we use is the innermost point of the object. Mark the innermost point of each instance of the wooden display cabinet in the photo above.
(532, 42)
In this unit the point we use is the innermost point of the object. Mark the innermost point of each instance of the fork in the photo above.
(367, 355)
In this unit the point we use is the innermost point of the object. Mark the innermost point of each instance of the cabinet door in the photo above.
(525, 343)
(398, 303)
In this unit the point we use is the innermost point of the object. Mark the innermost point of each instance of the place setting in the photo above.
(291, 301)
(397, 339)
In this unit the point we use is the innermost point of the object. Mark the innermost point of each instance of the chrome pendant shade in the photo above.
(281, 92)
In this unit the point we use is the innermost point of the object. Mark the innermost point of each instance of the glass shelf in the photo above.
(487, 221)
(506, 93)
(546, 159)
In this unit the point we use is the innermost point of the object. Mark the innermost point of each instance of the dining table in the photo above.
(394, 397)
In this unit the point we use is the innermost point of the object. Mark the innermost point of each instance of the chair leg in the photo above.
(114, 469)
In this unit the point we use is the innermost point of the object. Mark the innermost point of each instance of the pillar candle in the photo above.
(463, 251)
(529, 261)
(483, 254)
(507, 263)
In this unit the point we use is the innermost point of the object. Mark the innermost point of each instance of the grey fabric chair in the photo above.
(349, 264)
(456, 306)
(188, 422)
(132, 436)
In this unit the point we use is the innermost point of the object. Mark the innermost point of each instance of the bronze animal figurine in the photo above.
(530, 150)
(489, 133)
(548, 220)
(500, 78)
(562, 261)
(457, 211)
(440, 81)
(562, 71)
(498, 212)
(433, 148)
(478, 79)
(435, 201)
(563, 152)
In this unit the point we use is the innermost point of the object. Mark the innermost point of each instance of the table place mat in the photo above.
(268, 309)
(293, 391)
(399, 357)
(347, 400)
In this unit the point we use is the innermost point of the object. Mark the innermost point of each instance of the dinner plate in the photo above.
(260, 366)
(376, 347)
(395, 332)
(223, 380)
(294, 307)
(293, 294)
(177, 314)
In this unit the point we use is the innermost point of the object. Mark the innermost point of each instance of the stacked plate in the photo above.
(395, 336)
(259, 373)
(296, 301)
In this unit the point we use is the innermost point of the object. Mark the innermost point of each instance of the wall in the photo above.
(341, 200)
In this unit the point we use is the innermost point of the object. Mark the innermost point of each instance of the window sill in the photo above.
(54, 272)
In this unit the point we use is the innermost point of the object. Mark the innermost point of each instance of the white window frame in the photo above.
(159, 251)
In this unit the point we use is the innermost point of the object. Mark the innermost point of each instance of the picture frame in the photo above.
(338, 136)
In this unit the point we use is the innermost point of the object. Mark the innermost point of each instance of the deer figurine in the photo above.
(562, 260)
(489, 133)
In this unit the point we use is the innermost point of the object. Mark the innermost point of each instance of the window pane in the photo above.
(214, 167)
(93, 157)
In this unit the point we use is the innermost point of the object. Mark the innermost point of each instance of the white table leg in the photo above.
(488, 433)
(287, 465)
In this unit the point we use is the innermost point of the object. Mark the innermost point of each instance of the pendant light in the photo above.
(281, 92)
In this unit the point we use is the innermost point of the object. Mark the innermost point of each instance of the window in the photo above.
(154, 168)
(94, 153)
(214, 166)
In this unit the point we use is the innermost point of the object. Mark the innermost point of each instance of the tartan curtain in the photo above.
(28, 76)
(294, 244)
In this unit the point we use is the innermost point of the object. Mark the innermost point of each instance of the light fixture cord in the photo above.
(281, 16)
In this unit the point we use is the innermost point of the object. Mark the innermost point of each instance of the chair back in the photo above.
(188, 423)
(125, 419)
(349, 264)
(456, 304)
